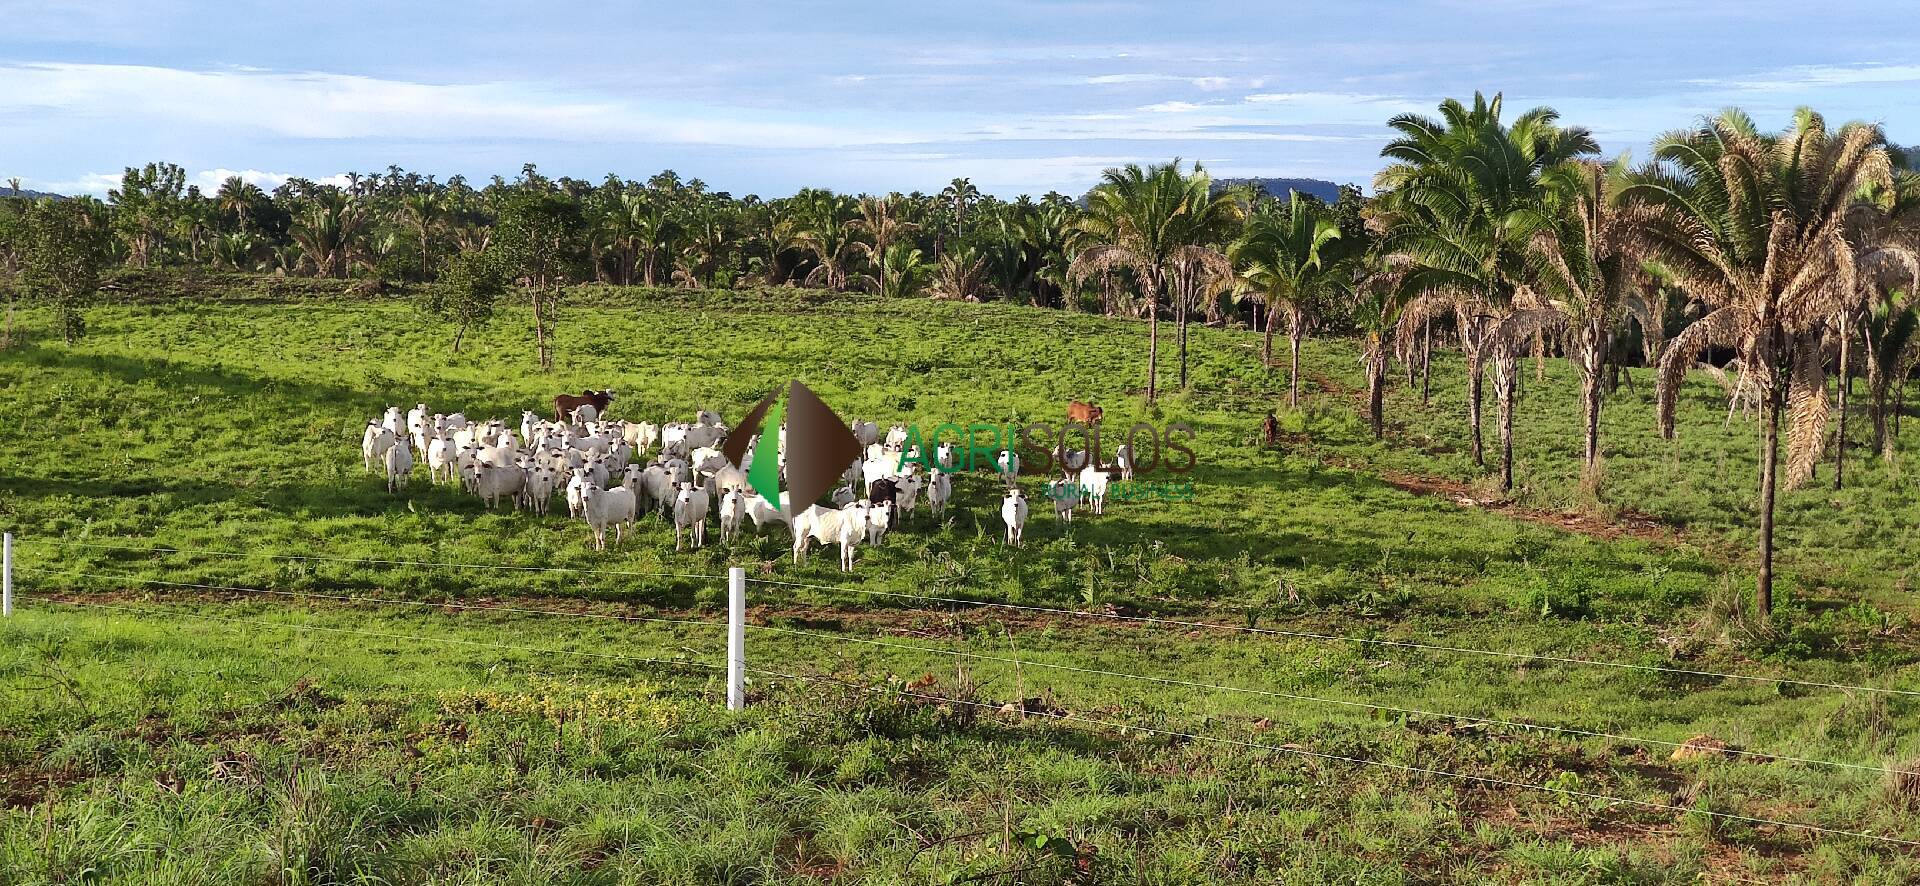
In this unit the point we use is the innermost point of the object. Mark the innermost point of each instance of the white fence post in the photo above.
(736, 638)
(6, 576)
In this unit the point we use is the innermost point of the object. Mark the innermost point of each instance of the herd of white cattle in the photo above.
(596, 466)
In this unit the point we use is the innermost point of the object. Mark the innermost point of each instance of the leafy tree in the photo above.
(537, 229)
(1465, 199)
(1755, 225)
(906, 273)
(1589, 263)
(1280, 257)
(471, 284)
(1153, 221)
(67, 242)
(145, 208)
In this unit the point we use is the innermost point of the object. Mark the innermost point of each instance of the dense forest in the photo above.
(1784, 257)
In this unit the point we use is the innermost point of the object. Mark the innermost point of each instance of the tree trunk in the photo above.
(1295, 329)
(1377, 389)
(1266, 341)
(539, 330)
(1769, 460)
(1846, 384)
(457, 336)
(1593, 345)
(1426, 362)
(1180, 322)
(1506, 383)
(1476, 387)
(1153, 346)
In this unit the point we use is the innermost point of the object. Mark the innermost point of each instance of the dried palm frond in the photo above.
(1807, 400)
(1723, 328)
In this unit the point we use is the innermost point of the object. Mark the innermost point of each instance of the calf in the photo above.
(733, 506)
(1013, 510)
(399, 461)
(690, 513)
(374, 443)
(1093, 484)
(939, 492)
(1065, 495)
(1084, 413)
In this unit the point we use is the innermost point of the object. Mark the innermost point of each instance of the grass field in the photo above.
(164, 741)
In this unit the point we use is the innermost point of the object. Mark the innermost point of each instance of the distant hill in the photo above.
(30, 195)
(1283, 188)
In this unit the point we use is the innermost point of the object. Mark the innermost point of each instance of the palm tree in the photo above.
(1889, 334)
(963, 273)
(1755, 225)
(1466, 198)
(1152, 221)
(905, 273)
(1381, 297)
(422, 212)
(239, 197)
(1589, 263)
(1279, 258)
(880, 218)
(960, 193)
(830, 231)
(328, 231)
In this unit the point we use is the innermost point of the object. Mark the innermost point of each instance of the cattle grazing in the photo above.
(939, 492)
(399, 462)
(1065, 495)
(1270, 430)
(607, 507)
(1093, 485)
(374, 443)
(1084, 413)
(1013, 510)
(565, 404)
(733, 506)
(493, 484)
(690, 505)
(762, 512)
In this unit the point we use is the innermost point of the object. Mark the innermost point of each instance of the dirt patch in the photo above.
(1627, 524)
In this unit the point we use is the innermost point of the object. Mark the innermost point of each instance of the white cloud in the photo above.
(1816, 76)
(1171, 107)
(94, 183)
(318, 105)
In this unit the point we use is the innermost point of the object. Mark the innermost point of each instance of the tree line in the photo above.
(1784, 256)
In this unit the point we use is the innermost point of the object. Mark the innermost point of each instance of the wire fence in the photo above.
(1013, 661)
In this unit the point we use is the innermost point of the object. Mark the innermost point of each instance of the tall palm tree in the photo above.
(1152, 221)
(1466, 198)
(422, 212)
(1279, 257)
(329, 230)
(1755, 225)
(831, 232)
(960, 193)
(1589, 264)
(880, 218)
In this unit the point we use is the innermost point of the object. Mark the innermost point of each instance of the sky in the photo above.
(769, 97)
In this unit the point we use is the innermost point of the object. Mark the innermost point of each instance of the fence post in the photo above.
(736, 638)
(6, 576)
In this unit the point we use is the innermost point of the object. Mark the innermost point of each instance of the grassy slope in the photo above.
(236, 427)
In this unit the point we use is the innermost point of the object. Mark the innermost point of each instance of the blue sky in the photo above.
(767, 97)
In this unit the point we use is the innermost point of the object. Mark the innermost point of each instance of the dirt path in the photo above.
(1627, 524)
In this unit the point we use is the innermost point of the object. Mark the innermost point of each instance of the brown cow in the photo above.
(1084, 413)
(1270, 430)
(565, 404)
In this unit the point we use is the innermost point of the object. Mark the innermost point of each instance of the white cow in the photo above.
(1065, 495)
(538, 494)
(1123, 459)
(1008, 464)
(939, 492)
(907, 494)
(493, 484)
(607, 507)
(879, 520)
(399, 462)
(576, 491)
(762, 512)
(374, 443)
(1013, 510)
(733, 506)
(690, 513)
(442, 458)
(1093, 484)
(866, 432)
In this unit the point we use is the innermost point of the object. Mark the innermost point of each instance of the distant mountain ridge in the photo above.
(30, 195)
(1283, 188)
